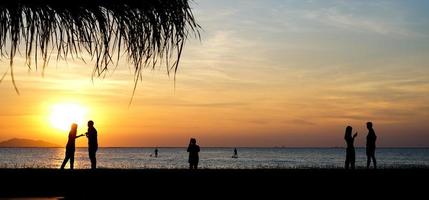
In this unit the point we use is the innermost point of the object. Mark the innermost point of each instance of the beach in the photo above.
(127, 183)
(129, 173)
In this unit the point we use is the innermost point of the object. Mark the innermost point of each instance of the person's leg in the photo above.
(66, 159)
(346, 163)
(90, 154)
(72, 161)
(368, 161)
(194, 165)
(374, 161)
(92, 157)
(95, 158)
(95, 161)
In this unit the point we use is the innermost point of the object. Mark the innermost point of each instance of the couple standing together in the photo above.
(92, 145)
(370, 147)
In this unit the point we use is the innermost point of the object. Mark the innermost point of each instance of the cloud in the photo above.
(352, 17)
(259, 122)
(300, 122)
(194, 104)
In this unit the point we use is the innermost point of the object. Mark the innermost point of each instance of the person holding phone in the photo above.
(193, 150)
(70, 147)
(350, 151)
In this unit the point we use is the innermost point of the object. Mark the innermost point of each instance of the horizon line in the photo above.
(261, 147)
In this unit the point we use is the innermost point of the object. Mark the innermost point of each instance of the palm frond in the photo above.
(147, 32)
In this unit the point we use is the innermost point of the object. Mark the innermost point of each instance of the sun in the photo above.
(64, 114)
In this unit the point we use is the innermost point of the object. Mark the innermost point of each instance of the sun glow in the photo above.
(64, 114)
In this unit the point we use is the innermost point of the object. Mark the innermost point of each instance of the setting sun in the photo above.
(64, 114)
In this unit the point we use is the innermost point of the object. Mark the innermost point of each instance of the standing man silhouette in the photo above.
(92, 144)
(370, 146)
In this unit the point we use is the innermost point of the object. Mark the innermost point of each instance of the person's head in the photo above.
(348, 131)
(90, 123)
(73, 127)
(193, 141)
(369, 125)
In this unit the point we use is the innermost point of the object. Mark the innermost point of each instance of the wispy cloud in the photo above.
(358, 22)
(301, 122)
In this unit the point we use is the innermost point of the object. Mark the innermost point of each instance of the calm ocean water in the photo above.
(218, 158)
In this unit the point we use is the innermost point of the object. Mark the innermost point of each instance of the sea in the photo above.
(212, 158)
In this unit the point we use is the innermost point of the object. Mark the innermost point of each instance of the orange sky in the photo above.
(296, 74)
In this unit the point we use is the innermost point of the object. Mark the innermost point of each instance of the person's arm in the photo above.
(355, 135)
(72, 136)
(80, 135)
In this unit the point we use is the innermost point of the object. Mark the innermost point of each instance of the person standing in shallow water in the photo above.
(235, 153)
(350, 151)
(92, 144)
(370, 146)
(193, 150)
(156, 152)
(70, 147)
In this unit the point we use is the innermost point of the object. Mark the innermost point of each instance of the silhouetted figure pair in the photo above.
(71, 146)
(92, 144)
(370, 146)
(193, 150)
(350, 151)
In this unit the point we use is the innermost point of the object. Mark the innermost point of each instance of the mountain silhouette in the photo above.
(19, 142)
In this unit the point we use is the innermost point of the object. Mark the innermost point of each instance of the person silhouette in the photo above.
(92, 144)
(350, 151)
(370, 146)
(235, 153)
(156, 152)
(193, 150)
(70, 147)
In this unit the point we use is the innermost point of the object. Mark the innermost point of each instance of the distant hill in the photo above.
(18, 142)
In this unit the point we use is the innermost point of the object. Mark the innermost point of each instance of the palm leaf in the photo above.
(147, 32)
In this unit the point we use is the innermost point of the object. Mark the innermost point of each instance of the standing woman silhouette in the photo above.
(350, 151)
(71, 146)
(193, 150)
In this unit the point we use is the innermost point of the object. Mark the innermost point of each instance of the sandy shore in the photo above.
(83, 184)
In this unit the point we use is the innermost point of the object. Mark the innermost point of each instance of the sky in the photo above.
(273, 73)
